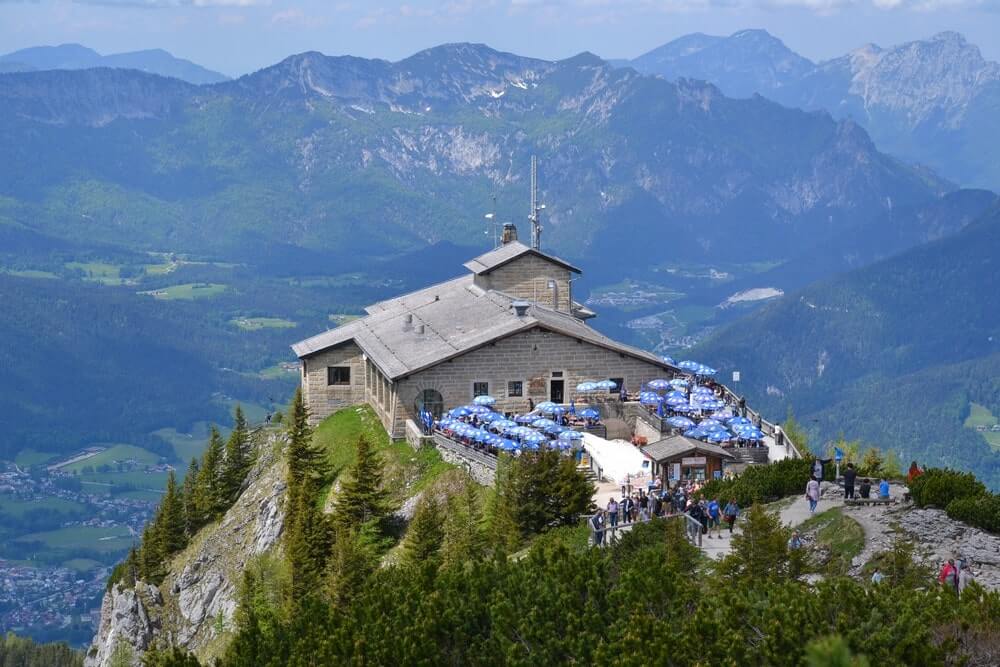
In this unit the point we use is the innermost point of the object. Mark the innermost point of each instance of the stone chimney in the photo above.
(509, 233)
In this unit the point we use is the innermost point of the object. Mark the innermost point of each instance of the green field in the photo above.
(258, 323)
(140, 480)
(31, 457)
(145, 496)
(18, 508)
(29, 273)
(980, 415)
(276, 372)
(83, 537)
(187, 291)
(98, 272)
(112, 454)
(189, 445)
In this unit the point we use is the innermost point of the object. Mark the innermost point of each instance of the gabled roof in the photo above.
(677, 445)
(508, 252)
(457, 317)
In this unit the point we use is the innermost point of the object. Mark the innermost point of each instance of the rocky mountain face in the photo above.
(420, 145)
(932, 101)
(194, 606)
(75, 56)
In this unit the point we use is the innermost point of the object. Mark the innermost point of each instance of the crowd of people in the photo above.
(638, 505)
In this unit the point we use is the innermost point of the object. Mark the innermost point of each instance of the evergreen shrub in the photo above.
(937, 487)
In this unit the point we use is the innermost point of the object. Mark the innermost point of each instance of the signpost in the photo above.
(736, 376)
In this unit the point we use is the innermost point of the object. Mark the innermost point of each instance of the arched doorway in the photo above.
(430, 399)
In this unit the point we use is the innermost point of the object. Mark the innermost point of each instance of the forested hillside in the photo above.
(894, 354)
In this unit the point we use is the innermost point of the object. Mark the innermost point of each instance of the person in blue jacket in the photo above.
(883, 489)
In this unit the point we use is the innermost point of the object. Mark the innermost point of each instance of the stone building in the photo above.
(509, 328)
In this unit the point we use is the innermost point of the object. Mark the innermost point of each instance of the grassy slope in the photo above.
(842, 535)
(407, 472)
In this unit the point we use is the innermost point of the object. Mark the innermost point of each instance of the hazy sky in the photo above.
(238, 36)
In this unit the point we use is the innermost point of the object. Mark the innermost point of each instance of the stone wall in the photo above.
(324, 399)
(531, 358)
(527, 277)
(415, 437)
(482, 468)
(645, 429)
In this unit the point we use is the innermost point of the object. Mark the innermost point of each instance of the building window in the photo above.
(515, 388)
(338, 375)
(430, 400)
(619, 382)
(557, 374)
(480, 389)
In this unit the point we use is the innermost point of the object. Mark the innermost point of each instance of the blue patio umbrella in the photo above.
(553, 409)
(677, 401)
(669, 360)
(587, 386)
(477, 409)
(561, 445)
(534, 438)
(705, 423)
(750, 433)
(649, 398)
(713, 404)
(719, 436)
(555, 429)
(525, 419)
(490, 417)
(507, 445)
(590, 413)
(544, 405)
(680, 422)
(571, 435)
(606, 384)
(676, 393)
(484, 400)
(702, 390)
(706, 370)
(689, 365)
(530, 446)
(679, 382)
(521, 431)
(738, 420)
(695, 433)
(572, 407)
(542, 423)
(658, 384)
(458, 412)
(501, 424)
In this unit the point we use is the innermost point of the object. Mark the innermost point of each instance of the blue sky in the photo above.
(239, 36)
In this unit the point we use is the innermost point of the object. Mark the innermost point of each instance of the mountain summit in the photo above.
(76, 56)
(931, 101)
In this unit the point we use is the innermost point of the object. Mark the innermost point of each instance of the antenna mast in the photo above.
(536, 229)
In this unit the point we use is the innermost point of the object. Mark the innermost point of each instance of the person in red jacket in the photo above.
(949, 574)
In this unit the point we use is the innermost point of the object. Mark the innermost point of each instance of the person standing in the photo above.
(849, 476)
(613, 512)
(812, 494)
(877, 576)
(795, 541)
(965, 577)
(949, 575)
(626, 509)
(731, 511)
(714, 518)
(597, 525)
(883, 489)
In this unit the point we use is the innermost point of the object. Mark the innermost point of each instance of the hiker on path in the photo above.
(883, 489)
(812, 494)
(597, 524)
(731, 511)
(714, 518)
(612, 512)
(849, 476)
(965, 577)
(949, 575)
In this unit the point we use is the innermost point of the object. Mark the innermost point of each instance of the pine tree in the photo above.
(151, 556)
(304, 458)
(572, 491)
(173, 536)
(426, 532)
(761, 551)
(207, 497)
(191, 517)
(351, 564)
(464, 539)
(237, 463)
(361, 499)
(505, 533)
(307, 540)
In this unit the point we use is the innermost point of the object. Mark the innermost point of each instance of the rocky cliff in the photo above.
(194, 606)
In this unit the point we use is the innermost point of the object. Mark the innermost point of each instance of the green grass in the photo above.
(145, 496)
(188, 445)
(140, 480)
(406, 471)
(82, 564)
(277, 372)
(980, 415)
(842, 535)
(112, 454)
(342, 318)
(29, 273)
(100, 272)
(258, 323)
(83, 537)
(32, 457)
(187, 291)
(18, 508)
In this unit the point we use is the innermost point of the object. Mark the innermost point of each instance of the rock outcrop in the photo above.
(194, 606)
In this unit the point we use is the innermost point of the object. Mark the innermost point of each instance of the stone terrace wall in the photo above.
(481, 467)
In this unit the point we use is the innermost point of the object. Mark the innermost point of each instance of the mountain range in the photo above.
(893, 353)
(75, 56)
(932, 101)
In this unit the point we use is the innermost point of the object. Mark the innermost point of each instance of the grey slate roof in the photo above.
(457, 317)
(508, 252)
(677, 445)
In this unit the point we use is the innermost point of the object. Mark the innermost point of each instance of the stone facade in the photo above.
(324, 398)
(527, 278)
(535, 359)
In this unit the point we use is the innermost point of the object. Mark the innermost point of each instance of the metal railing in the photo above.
(612, 534)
